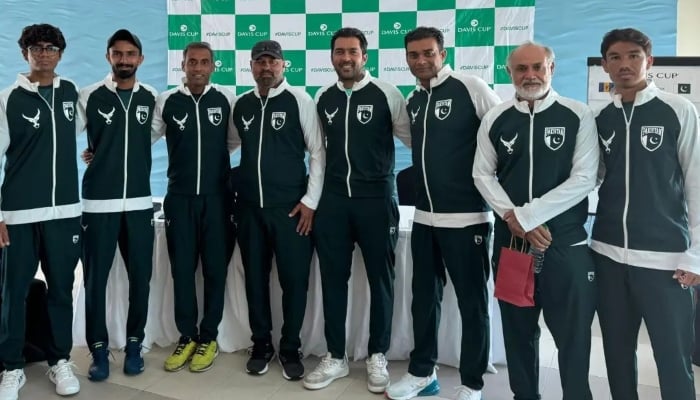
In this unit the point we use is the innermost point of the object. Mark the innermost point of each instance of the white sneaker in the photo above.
(63, 377)
(377, 375)
(328, 370)
(411, 386)
(12, 382)
(467, 393)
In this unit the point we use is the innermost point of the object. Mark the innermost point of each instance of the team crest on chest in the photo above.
(364, 113)
(278, 119)
(443, 108)
(214, 115)
(34, 120)
(509, 143)
(181, 122)
(652, 137)
(68, 110)
(330, 116)
(554, 136)
(607, 142)
(142, 114)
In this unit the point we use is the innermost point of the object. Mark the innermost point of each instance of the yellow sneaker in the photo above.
(182, 354)
(204, 356)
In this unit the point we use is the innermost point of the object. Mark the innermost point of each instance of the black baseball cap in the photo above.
(125, 35)
(266, 48)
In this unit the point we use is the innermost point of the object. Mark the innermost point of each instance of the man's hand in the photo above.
(4, 236)
(515, 228)
(87, 156)
(539, 238)
(686, 279)
(306, 218)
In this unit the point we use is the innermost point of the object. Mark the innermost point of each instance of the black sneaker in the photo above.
(99, 368)
(292, 368)
(260, 357)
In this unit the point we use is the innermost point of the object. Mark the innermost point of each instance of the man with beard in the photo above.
(194, 118)
(276, 124)
(117, 206)
(360, 115)
(535, 164)
(451, 224)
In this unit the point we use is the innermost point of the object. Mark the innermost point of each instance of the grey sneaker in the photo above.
(12, 382)
(328, 370)
(377, 374)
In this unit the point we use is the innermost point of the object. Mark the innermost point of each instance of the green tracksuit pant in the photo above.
(102, 232)
(372, 223)
(463, 253)
(56, 244)
(262, 233)
(565, 292)
(628, 295)
(199, 227)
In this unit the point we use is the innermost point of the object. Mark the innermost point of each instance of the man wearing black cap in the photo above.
(117, 206)
(194, 118)
(276, 124)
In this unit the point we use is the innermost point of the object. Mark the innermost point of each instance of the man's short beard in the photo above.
(124, 73)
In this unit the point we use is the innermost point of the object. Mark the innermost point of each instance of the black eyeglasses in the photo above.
(50, 50)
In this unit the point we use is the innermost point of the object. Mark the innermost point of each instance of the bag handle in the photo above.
(514, 244)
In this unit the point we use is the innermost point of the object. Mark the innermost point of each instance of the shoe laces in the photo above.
(328, 363)
(259, 351)
(376, 364)
(133, 348)
(62, 370)
(294, 356)
(10, 379)
(202, 348)
(180, 348)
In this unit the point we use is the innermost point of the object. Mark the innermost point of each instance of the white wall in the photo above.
(688, 39)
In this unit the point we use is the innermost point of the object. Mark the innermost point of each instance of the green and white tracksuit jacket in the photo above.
(649, 201)
(445, 118)
(37, 138)
(119, 136)
(541, 163)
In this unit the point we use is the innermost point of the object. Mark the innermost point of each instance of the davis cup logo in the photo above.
(252, 27)
(278, 119)
(554, 137)
(218, 63)
(474, 22)
(652, 137)
(142, 114)
(443, 108)
(68, 110)
(183, 28)
(364, 113)
(214, 115)
(397, 25)
(323, 27)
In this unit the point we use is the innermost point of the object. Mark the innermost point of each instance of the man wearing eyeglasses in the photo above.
(117, 205)
(40, 207)
(194, 117)
(276, 124)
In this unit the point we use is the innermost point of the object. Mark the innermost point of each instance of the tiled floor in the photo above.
(227, 380)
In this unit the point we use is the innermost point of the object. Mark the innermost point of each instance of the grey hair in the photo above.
(548, 52)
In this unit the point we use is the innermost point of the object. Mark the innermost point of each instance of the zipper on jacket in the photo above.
(53, 125)
(425, 134)
(347, 135)
(199, 141)
(628, 122)
(126, 143)
(262, 126)
(532, 151)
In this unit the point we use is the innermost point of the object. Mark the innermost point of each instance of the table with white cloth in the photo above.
(234, 330)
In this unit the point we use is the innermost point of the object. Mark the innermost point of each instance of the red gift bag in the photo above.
(515, 277)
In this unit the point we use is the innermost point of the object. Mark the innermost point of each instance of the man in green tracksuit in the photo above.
(536, 162)
(40, 208)
(646, 235)
(117, 205)
(451, 224)
(194, 118)
(276, 124)
(360, 115)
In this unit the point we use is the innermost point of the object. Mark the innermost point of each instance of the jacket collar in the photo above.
(540, 105)
(112, 85)
(640, 97)
(357, 85)
(23, 82)
(442, 75)
(182, 88)
(273, 91)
